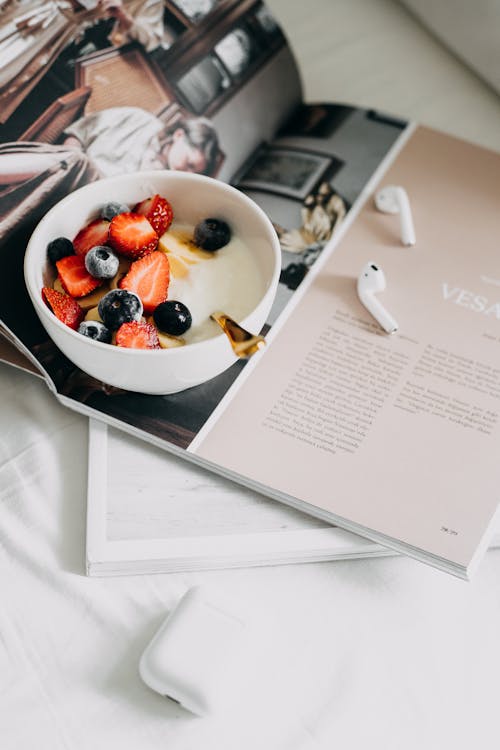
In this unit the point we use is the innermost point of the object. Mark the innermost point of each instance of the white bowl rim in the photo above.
(38, 302)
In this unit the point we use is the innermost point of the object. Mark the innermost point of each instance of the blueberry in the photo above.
(172, 317)
(212, 234)
(95, 330)
(59, 248)
(119, 306)
(110, 210)
(101, 262)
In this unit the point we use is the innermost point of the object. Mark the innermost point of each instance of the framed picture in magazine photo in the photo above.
(287, 171)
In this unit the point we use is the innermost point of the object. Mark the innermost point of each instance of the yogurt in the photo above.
(227, 280)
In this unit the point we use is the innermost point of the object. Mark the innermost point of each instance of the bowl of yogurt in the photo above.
(240, 279)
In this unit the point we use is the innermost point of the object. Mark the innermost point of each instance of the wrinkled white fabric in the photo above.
(384, 653)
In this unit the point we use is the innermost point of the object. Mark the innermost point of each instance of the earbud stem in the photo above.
(406, 218)
(383, 318)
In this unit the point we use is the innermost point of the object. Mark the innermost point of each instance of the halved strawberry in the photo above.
(64, 307)
(132, 235)
(137, 335)
(158, 211)
(74, 277)
(95, 233)
(149, 278)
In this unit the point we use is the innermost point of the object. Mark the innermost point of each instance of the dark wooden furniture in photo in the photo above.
(191, 65)
(62, 112)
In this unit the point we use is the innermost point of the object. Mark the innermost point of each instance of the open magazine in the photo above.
(392, 438)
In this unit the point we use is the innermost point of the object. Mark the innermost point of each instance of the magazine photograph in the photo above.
(100, 130)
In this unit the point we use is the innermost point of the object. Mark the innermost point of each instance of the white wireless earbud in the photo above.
(370, 281)
(393, 199)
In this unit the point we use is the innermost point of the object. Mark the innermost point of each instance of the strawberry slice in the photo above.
(149, 278)
(158, 211)
(137, 335)
(74, 277)
(132, 235)
(64, 307)
(95, 233)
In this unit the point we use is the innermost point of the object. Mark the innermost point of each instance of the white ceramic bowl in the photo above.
(193, 198)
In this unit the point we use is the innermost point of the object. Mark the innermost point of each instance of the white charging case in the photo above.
(198, 654)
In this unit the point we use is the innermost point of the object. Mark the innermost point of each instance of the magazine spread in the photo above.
(220, 77)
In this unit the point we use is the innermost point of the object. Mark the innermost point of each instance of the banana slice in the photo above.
(181, 251)
(169, 342)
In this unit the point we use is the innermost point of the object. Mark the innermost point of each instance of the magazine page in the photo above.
(92, 89)
(219, 65)
(394, 436)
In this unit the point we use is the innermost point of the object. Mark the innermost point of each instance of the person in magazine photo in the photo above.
(129, 139)
(113, 141)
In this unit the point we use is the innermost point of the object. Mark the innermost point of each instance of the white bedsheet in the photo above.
(383, 654)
